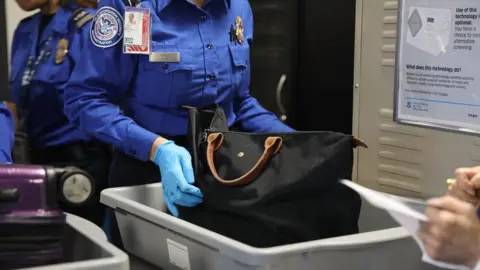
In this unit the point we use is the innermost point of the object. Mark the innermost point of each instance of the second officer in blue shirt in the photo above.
(46, 47)
(152, 57)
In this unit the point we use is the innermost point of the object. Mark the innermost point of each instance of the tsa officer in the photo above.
(6, 134)
(194, 53)
(46, 47)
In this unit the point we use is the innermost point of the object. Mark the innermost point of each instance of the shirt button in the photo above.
(203, 18)
(209, 46)
(212, 77)
(165, 66)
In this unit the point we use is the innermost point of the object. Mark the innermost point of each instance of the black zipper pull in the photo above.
(204, 137)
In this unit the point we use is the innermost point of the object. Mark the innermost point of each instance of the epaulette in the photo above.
(132, 3)
(80, 17)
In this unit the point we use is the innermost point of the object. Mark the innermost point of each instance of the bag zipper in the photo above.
(204, 136)
(273, 133)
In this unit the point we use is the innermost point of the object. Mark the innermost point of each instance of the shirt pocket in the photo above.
(164, 84)
(240, 63)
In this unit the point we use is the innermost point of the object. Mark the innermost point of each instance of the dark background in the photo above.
(313, 43)
(3, 54)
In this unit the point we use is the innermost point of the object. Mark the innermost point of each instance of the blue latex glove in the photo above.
(175, 165)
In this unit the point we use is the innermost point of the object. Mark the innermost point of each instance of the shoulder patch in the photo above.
(107, 28)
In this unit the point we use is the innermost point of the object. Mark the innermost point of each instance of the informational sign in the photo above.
(438, 64)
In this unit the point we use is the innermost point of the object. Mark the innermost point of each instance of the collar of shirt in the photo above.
(60, 22)
(161, 4)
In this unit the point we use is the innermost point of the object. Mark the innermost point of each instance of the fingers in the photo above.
(432, 212)
(475, 181)
(449, 203)
(466, 173)
(434, 239)
(186, 163)
(463, 190)
(432, 247)
(187, 188)
(465, 185)
(187, 200)
(171, 207)
(187, 178)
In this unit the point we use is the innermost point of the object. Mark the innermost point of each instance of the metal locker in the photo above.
(274, 53)
(324, 93)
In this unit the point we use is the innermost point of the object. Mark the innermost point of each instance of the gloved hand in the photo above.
(175, 165)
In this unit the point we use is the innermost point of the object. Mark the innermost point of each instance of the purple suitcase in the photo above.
(31, 225)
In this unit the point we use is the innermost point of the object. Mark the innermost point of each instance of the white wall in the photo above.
(14, 16)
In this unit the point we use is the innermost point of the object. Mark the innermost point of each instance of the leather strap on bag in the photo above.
(359, 143)
(215, 140)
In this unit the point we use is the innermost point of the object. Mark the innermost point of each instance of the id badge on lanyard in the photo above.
(137, 33)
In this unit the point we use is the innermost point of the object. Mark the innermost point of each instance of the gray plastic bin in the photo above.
(87, 248)
(170, 243)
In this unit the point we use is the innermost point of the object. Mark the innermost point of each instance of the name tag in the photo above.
(169, 57)
(136, 36)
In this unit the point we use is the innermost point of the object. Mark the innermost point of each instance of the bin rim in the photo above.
(117, 258)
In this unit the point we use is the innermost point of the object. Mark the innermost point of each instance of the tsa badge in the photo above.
(239, 30)
(136, 38)
(61, 51)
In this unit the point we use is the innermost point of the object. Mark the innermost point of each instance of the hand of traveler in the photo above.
(87, 3)
(464, 187)
(452, 233)
(175, 165)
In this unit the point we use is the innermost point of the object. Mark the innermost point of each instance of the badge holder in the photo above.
(136, 38)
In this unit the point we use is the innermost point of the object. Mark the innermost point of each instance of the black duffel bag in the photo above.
(270, 189)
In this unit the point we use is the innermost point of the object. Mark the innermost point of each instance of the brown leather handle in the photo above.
(215, 140)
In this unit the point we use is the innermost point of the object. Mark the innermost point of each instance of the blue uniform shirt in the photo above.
(6, 134)
(212, 69)
(46, 123)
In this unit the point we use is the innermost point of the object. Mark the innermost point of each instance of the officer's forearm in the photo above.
(254, 118)
(159, 141)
